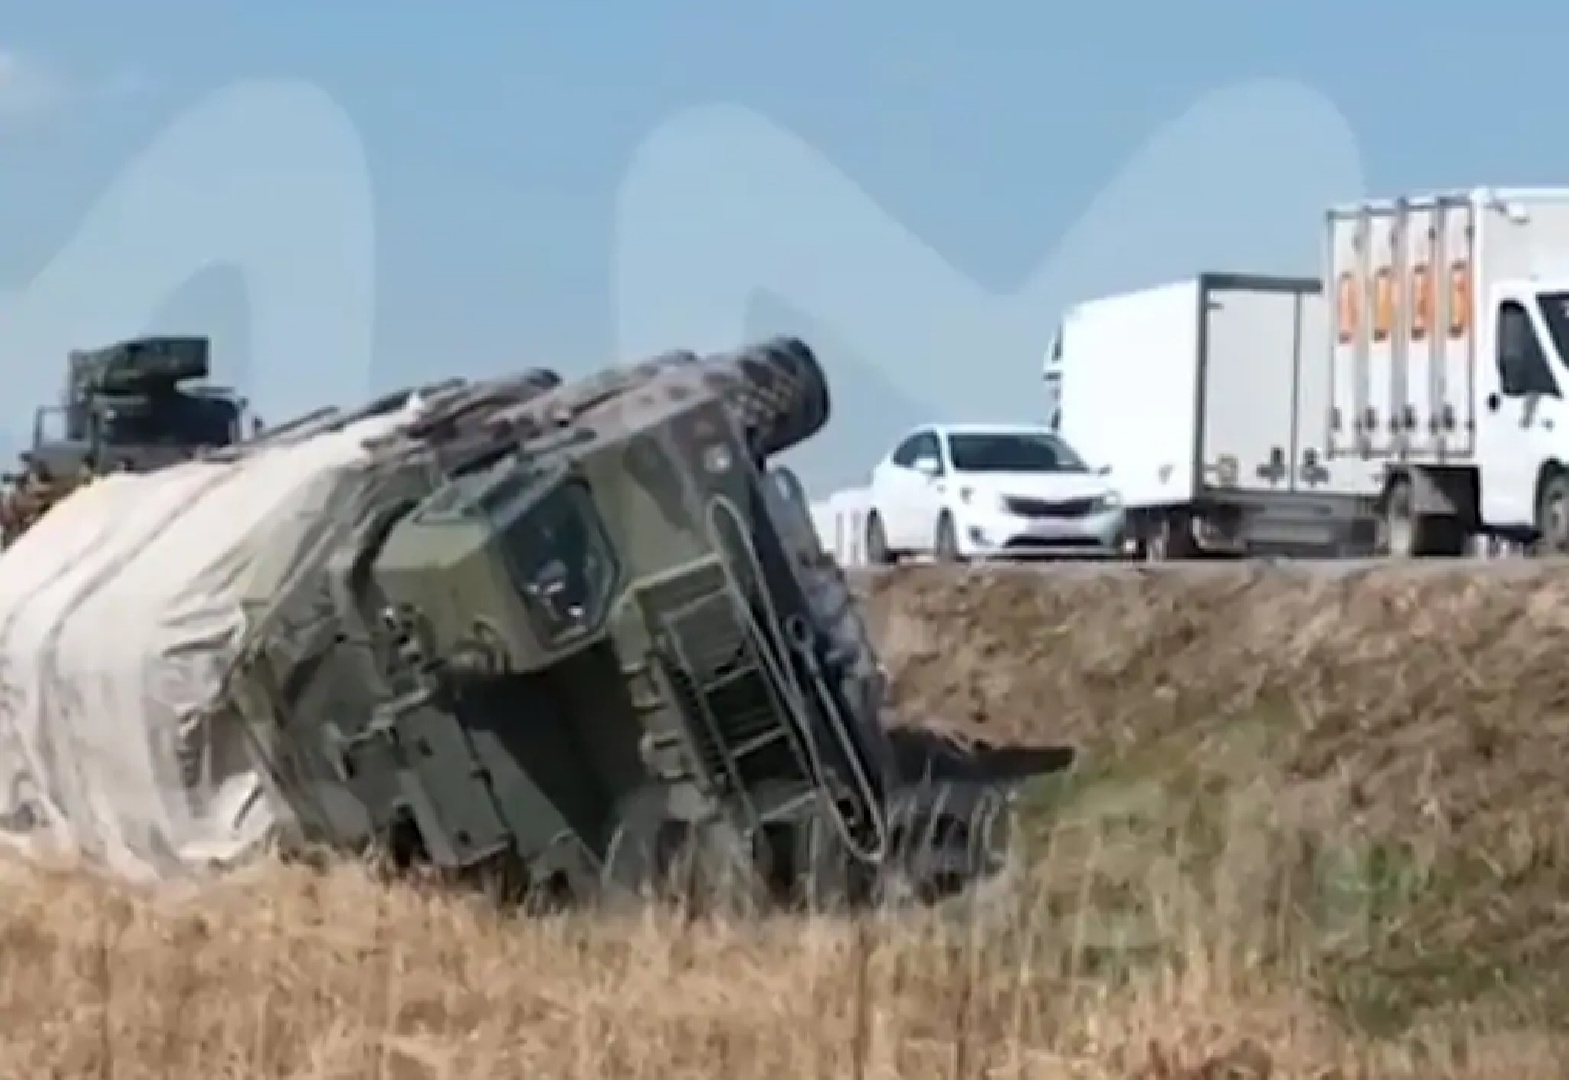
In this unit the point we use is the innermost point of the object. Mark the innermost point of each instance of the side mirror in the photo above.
(1104, 470)
(927, 466)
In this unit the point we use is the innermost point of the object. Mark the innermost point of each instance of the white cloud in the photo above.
(30, 87)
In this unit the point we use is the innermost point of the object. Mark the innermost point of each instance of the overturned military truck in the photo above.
(577, 637)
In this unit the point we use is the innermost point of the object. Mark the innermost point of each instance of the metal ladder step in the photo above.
(712, 644)
(758, 742)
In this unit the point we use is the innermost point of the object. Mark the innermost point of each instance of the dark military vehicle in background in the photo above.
(135, 405)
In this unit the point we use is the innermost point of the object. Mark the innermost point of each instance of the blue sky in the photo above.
(551, 183)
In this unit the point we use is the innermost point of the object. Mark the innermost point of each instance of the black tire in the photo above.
(1406, 534)
(1552, 516)
(877, 553)
(945, 545)
(778, 391)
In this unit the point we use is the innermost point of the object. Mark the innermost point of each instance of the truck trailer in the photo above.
(1450, 362)
(1208, 401)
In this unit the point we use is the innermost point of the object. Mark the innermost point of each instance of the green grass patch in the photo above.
(1192, 837)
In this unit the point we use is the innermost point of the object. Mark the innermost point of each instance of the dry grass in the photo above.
(288, 973)
(1319, 834)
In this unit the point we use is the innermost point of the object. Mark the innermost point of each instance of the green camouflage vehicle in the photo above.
(581, 638)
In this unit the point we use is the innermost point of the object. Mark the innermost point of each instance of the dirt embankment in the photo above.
(1459, 676)
(1412, 721)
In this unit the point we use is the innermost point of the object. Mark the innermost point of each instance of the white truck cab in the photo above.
(1450, 364)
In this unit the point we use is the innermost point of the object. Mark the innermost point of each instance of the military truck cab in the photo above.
(138, 404)
(607, 609)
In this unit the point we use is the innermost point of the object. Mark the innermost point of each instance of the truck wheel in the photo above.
(945, 547)
(877, 552)
(1406, 534)
(1552, 516)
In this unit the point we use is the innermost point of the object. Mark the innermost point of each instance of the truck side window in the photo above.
(1522, 364)
(908, 451)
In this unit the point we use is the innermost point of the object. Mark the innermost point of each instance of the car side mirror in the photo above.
(927, 466)
(1104, 470)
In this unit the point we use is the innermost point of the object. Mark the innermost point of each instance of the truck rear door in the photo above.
(1253, 339)
(1402, 364)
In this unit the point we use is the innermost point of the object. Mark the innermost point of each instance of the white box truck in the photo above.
(1450, 364)
(1208, 400)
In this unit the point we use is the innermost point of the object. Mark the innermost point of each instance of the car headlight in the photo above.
(1109, 501)
(979, 497)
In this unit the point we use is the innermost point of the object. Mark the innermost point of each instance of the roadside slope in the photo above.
(1410, 721)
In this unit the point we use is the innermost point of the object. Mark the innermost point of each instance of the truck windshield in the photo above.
(1555, 313)
(560, 560)
(1012, 451)
(173, 420)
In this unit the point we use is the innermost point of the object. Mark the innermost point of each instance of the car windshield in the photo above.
(1012, 451)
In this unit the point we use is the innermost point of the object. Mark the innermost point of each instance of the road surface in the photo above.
(1502, 566)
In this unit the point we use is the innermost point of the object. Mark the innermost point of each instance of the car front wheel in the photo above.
(945, 546)
(877, 552)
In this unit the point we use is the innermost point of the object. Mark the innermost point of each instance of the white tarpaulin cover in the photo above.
(120, 611)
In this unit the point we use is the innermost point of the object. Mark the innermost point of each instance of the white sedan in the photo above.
(966, 491)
